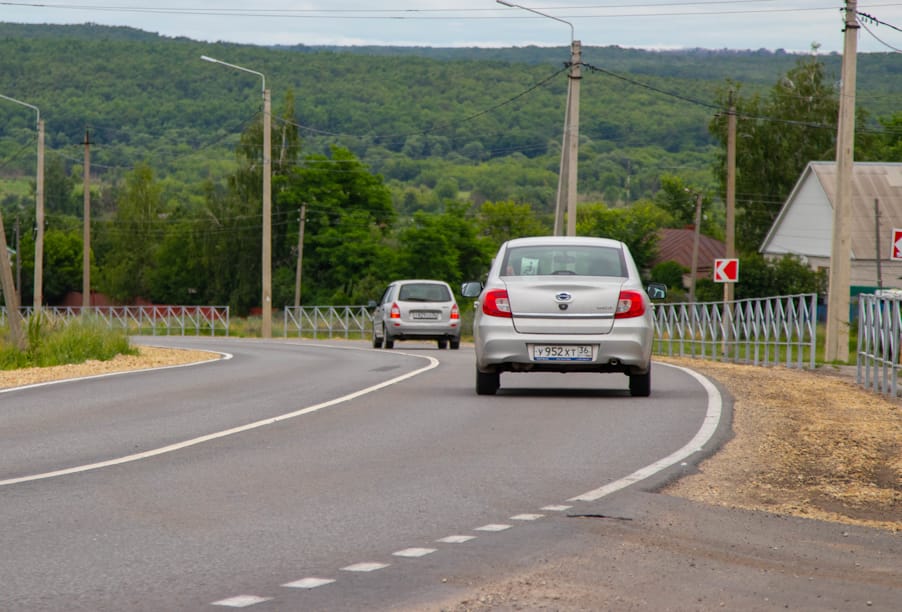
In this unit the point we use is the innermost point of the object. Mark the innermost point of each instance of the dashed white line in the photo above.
(308, 583)
(493, 527)
(365, 567)
(241, 601)
(456, 539)
(527, 517)
(414, 552)
(556, 508)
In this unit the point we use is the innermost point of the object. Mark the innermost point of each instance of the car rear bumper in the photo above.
(627, 348)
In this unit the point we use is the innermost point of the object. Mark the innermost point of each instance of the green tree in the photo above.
(501, 221)
(763, 277)
(637, 226)
(132, 237)
(777, 135)
(62, 264)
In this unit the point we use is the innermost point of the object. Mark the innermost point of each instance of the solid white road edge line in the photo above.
(222, 357)
(433, 362)
(704, 434)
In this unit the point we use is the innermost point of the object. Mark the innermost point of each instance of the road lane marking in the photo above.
(413, 553)
(456, 539)
(433, 362)
(241, 601)
(493, 527)
(365, 567)
(308, 583)
(712, 418)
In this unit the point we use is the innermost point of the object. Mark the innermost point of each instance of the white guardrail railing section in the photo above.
(145, 320)
(328, 321)
(879, 329)
(763, 331)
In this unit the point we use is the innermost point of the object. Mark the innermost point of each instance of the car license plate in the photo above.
(424, 316)
(562, 352)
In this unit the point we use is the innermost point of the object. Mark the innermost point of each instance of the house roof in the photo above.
(804, 225)
(676, 245)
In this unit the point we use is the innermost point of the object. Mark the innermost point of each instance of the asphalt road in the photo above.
(328, 476)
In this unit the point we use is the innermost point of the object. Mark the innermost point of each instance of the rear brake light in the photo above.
(455, 312)
(630, 305)
(497, 304)
(395, 312)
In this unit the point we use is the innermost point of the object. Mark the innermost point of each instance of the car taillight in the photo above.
(455, 312)
(497, 304)
(630, 304)
(395, 312)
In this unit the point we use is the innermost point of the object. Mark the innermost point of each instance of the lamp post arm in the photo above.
(207, 58)
(526, 8)
(31, 106)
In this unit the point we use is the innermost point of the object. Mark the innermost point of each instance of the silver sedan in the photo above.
(562, 304)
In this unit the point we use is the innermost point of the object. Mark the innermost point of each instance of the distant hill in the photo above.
(486, 119)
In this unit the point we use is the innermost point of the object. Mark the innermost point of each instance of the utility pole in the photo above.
(877, 242)
(729, 289)
(39, 220)
(698, 229)
(575, 77)
(297, 274)
(837, 339)
(730, 234)
(86, 239)
(9, 293)
(266, 329)
(18, 257)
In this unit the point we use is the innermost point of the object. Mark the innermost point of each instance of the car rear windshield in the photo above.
(424, 292)
(578, 260)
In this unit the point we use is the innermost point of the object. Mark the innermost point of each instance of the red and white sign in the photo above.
(726, 270)
(897, 245)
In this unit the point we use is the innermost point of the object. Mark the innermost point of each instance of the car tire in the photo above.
(640, 384)
(487, 383)
(442, 344)
(454, 344)
(377, 340)
(389, 341)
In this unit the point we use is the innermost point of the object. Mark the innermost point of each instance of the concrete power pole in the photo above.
(39, 222)
(837, 338)
(86, 238)
(730, 234)
(300, 264)
(9, 293)
(573, 134)
(266, 329)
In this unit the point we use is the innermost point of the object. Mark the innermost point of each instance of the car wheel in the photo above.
(487, 383)
(640, 384)
(389, 341)
(377, 340)
(443, 344)
(454, 343)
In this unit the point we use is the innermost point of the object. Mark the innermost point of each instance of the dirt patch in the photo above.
(807, 443)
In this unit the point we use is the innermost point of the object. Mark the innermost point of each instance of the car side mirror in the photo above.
(471, 289)
(371, 304)
(656, 291)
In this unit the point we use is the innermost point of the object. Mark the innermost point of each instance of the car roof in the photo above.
(563, 240)
(418, 280)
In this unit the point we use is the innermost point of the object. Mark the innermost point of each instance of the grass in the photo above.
(58, 343)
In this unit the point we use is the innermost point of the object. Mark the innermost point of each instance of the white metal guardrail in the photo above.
(761, 331)
(329, 321)
(145, 320)
(879, 328)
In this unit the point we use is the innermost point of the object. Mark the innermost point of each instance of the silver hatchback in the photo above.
(562, 304)
(417, 310)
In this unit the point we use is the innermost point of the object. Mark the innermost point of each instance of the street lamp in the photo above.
(570, 145)
(39, 210)
(266, 330)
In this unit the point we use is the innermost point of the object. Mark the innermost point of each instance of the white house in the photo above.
(804, 226)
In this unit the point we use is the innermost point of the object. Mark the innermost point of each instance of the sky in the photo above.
(791, 25)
